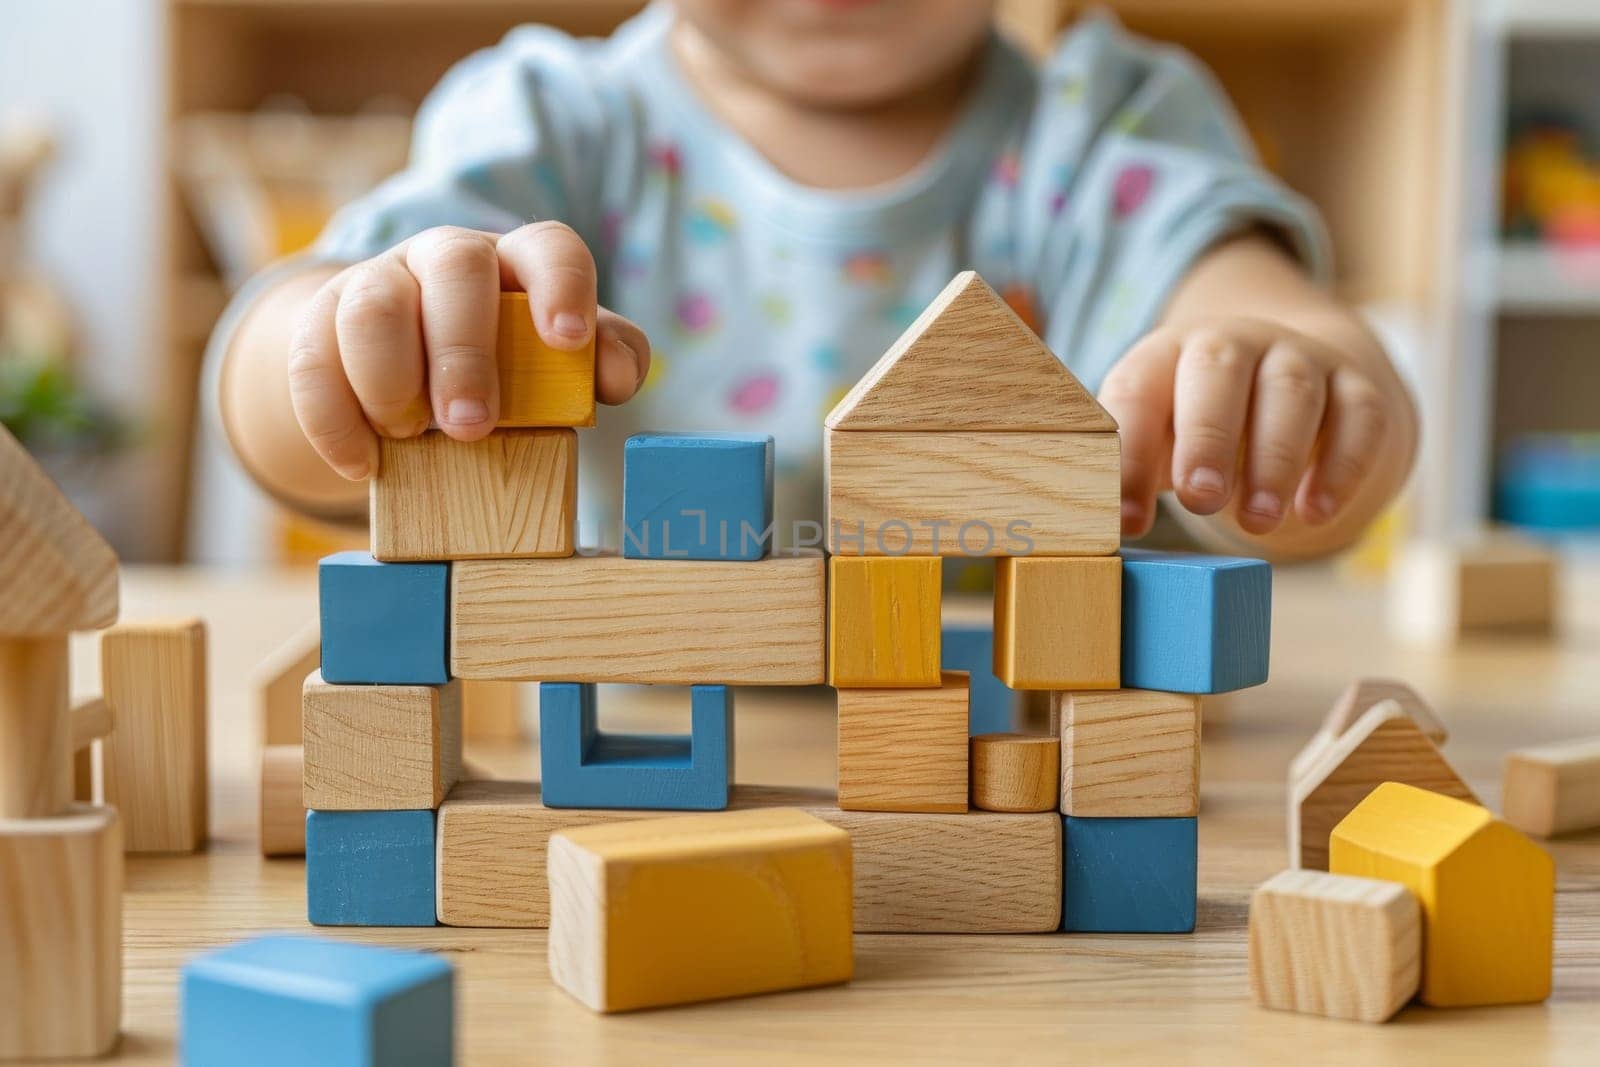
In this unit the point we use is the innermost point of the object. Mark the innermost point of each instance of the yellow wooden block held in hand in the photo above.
(672, 911)
(540, 385)
(883, 622)
(1487, 892)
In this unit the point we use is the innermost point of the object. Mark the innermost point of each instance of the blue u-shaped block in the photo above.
(580, 767)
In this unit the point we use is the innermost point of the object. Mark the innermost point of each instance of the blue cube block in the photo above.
(384, 623)
(370, 868)
(969, 646)
(280, 1000)
(1128, 876)
(697, 496)
(1194, 624)
(580, 767)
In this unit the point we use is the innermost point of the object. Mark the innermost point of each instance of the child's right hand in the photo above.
(408, 337)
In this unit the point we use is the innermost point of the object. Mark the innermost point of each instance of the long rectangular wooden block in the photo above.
(380, 747)
(154, 761)
(699, 907)
(511, 494)
(914, 872)
(540, 385)
(1058, 622)
(904, 749)
(605, 618)
(883, 621)
(973, 493)
(1554, 789)
(1129, 753)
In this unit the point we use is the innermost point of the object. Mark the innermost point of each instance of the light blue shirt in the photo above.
(1081, 190)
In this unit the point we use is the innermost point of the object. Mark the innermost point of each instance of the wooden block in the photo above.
(973, 493)
(697, 496)
(540, 385)
(883, 621)
(1194, 624)
(90, 721)
(283, 809)
(370, 868)
(383, 623)
(278, 1000)
(1129, 753)
(1015, 772)
(58, 573)
(1554, 789)
(914, 873)
(60, 934)
(511, 494)
(1128, 876)
(699, 907)
(969, 363)
(1362, 694)
(1058, 622)
(1487, 892)
(608, 619)
(1441, 592)
(154, 675)
(1328, 944)
(278, 681)
(491, 711)
(904, 749)
(380, 747)
(36, 773)
(1385, 745)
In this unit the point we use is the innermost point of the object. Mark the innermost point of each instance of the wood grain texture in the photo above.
(1333, 945)
(1384, 745)
(1360, 695)
(1441, 592)
(58, 573)
(36, 772)
(969, 363)
(491, 711)
(540, 385)
(278, 681)
(1129, 753)
(380, 747)
(91, 720)
(60, 934)
(282, 820)
(883, 621)
(914, 873)
(1553, 789)
(1015, 772)
(691, 908)
(1058, 622)
(904, 749)
(154, 762)
(608, 619)
(973, 494)
(513, 494)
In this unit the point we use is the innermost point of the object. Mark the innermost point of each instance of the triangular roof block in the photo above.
(57, 574)
(1362, 694)
(969, 363)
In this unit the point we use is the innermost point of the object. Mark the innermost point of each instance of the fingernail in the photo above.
(1207, 480)
(465, 411)
(356, 472)
(1132, 513)
(1324, 506)
(1266, 504)
(570, 324)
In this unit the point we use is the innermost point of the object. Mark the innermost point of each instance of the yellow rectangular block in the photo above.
(380, 747)
(699, 907)
(1058, 622)
(540, 385)
(904, 749)
(883, 621)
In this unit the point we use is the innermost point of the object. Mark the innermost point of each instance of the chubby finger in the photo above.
(1211, 398)
(550, 262)
(622, 358)
(1138, 394)
(1286, 408)
(324, 403)
(1354, 429)
(379, 328)
(458, 272)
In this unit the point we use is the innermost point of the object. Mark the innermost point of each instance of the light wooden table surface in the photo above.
(931, 998)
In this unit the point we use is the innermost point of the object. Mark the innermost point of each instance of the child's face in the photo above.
(842, 53)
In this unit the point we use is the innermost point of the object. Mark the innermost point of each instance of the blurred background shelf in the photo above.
(1533, 278)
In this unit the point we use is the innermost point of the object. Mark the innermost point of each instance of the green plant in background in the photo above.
(45, 409)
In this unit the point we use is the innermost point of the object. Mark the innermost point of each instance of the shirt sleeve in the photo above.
(1135, 164)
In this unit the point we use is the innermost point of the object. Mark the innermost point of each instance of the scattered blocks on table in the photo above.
(580, 767)
(673, 911)
(283, 809)
(370, 868)
(704, 496)
(1487, 892)
(1440, 592)
(540, 385)
(1358, 697)
(383, 623)
(1554, 789)
(966, 643)
(904, 749)
(1129, 753)
(883, 621)
(278, 1000)
(380, 747)
(1015, 772)
(1333, 945)
(1128, 876)
(1058, 622)
(1194, 624)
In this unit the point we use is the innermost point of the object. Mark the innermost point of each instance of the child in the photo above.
(763, 193)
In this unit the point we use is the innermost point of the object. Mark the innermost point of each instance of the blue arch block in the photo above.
(1128, 876)
(384, 623)
(697, 496)
(580, 767)
(370, 868)
(1194, 624)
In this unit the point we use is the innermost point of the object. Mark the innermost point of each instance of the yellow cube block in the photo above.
(698, 907)
(540, 385)
(1058, 622)
(883, 622)
(1487, 892)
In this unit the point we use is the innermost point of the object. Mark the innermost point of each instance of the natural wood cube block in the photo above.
(1058, 622)
(380, 747)
(1440, 592)
(283, 807)
(883, 621)
(1015, 772)
(540, 385)
(278, 680)
(1129, 753)
(1554, 789)
(904, 749)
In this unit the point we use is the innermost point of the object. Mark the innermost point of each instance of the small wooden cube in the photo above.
(904, 749)
(1058, 622)
(1015, 772)
(883, 621)
(1129, 753)
(283, 809)
(1330, 944)
(380, 747)
(540, 385)
(1554, 789)
(1440, 592)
